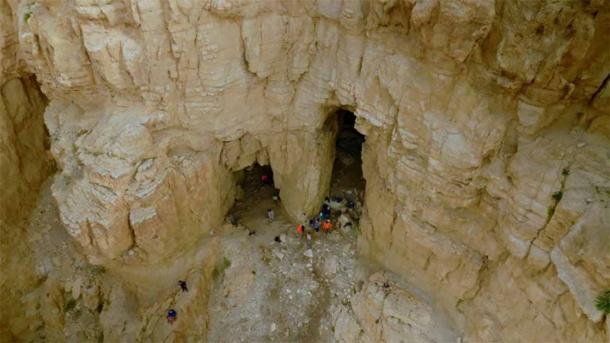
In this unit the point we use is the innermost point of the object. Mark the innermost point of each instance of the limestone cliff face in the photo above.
(486, 123)
(24, 165)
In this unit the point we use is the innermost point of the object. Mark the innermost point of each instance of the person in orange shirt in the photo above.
(327, 226)
(300, 230)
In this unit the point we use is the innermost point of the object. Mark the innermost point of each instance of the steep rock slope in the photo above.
(486, 123)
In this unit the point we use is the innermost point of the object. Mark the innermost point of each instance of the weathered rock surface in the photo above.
(383, 311)
(487, 126)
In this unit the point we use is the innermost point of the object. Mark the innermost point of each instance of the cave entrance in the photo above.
(347, 179)
(255, 195)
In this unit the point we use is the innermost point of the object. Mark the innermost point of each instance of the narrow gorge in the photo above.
(470, 140)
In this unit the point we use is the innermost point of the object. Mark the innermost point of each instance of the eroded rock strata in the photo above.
(486, 156)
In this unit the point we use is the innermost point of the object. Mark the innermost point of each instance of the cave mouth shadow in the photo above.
(254, 195)
(347, 176)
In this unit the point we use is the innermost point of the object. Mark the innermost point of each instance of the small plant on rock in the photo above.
(220, 268)
(27, 15)
(557, 196)
(69, 305)
(602, 302)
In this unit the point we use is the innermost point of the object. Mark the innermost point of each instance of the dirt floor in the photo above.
(291, 290)
(278, 286)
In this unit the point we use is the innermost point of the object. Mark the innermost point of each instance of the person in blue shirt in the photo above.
(171, 316)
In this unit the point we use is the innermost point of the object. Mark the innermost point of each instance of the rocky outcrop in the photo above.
(383, 311)
(486, 128)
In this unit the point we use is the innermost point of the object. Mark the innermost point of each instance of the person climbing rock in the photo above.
(183, 285)
(300, 230)
(171, 316)
(327, 226)
(270, 215)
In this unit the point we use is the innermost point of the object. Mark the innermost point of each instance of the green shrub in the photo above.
(26, 16)
(70, 304)
(220, 268)
(557, 196)
(602, 302)
(98, 269)
(565, 172)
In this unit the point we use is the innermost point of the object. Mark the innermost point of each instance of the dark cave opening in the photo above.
(347, 168)
(256, 192)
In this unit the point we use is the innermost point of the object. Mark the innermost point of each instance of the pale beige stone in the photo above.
(486, 152)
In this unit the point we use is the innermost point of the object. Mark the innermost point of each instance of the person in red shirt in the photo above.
(300, 230)
(327, 226)
(266, 179)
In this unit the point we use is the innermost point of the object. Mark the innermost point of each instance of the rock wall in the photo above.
(486, 123)
(24, 166)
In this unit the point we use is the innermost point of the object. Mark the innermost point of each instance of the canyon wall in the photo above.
(486, 124)
(24, 165)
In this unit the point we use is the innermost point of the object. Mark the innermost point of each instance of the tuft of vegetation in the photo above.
(550, 211)
(565, 172)
(356, 230)
(70, 304)
(27, 15)
(557, 196)
(602, 302)
(98, 269)
(220, 268)
(226, 263)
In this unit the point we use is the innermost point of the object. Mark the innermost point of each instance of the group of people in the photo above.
(172, 315)
(343, 209)
(323, 221)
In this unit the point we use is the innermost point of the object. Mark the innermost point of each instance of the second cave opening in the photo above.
(255, 194)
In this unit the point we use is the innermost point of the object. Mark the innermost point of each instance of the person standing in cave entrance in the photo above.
(325, 213)
(266, 179)
(171, 316)
(315, 224)
(300, 230)
(270, 215)
(327, 226)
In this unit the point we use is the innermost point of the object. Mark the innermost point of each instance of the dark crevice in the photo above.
(347, 168)
(599, 89)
